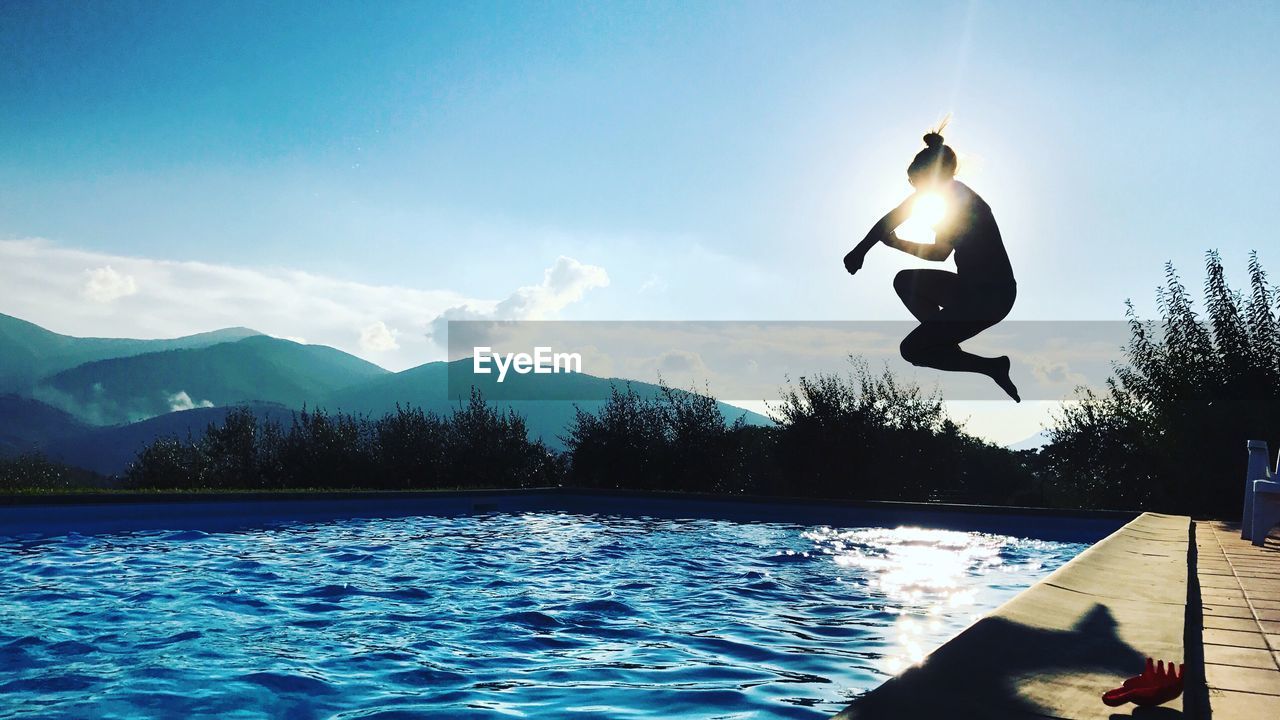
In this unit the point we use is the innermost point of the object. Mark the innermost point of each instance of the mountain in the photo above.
(110, 450)
(547, 414)
(1033, 442)
(28, 352)
(254, 369)
(95, 402)
(27, 425)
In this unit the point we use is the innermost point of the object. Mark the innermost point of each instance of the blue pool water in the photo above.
(539, 615)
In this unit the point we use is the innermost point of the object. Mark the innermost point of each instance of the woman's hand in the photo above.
(882, 232)
(853, 261)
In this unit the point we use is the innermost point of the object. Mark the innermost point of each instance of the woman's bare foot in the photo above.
(1001, 376)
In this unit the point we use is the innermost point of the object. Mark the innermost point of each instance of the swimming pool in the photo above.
(526, 614)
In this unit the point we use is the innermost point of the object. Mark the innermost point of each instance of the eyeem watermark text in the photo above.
(542, 362)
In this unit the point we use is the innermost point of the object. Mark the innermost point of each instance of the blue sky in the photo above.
(686, 160)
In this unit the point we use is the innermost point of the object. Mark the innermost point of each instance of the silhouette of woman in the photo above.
(951, 307)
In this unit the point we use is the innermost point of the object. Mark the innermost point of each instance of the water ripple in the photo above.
(518, 615)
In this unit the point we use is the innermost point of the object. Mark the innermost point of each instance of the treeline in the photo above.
(1169, 431)
(33, 472)
(858, 436)
(476, 446)
(855, 436)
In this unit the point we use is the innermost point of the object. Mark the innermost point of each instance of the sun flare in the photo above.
(928, 211)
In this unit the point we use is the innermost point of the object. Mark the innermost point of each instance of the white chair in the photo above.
(1261, 495)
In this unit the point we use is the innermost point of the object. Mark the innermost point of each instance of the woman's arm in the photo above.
(880, 232)
(929, 251)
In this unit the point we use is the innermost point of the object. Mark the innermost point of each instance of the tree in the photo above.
(1168, 432)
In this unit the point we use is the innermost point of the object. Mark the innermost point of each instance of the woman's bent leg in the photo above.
(936, 343)
(925, 292)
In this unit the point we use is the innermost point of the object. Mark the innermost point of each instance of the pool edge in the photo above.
(1053, 649)
(225, 511)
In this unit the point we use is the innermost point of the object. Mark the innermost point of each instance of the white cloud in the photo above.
(378, 338)
(563, 284)
(182, 401)
(105, 284)
(167, 298)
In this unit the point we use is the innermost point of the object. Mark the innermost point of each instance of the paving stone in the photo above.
(1237, 601)
(1245, 657)
(1225, 623)
(1231, 677)
(1243, 706)
(1219, 581)
(1235, 638)
(1226, 611)
(1246, 574)
(1258, 584)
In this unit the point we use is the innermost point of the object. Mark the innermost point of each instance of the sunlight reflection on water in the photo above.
(927, 573)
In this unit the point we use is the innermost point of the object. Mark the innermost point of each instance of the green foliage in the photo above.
(167, 463)
(487, 448)
(1169, 432)
(34, 472)
(475, 447)
(870, 436)
(677, 440)
(858, 436)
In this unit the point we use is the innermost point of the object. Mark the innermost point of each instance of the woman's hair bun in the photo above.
(933, 140)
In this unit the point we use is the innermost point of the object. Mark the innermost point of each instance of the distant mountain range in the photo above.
(28, 352)
(109, 450)
(95, 402)
(27, 423)
(254, 369)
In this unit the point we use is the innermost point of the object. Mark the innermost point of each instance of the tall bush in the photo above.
(1168, 432)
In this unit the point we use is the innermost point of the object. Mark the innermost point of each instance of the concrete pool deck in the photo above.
(1054, 649)
(1240, 613)
(1148, 589)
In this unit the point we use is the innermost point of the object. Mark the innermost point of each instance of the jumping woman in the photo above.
(951, 306)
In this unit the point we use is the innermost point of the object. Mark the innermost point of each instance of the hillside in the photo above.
(126, 393)
(27, 425)
(109, 451)
(29, 353)
(541, 402)
(255, 369)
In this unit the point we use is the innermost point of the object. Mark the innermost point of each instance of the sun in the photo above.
(929, 210)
